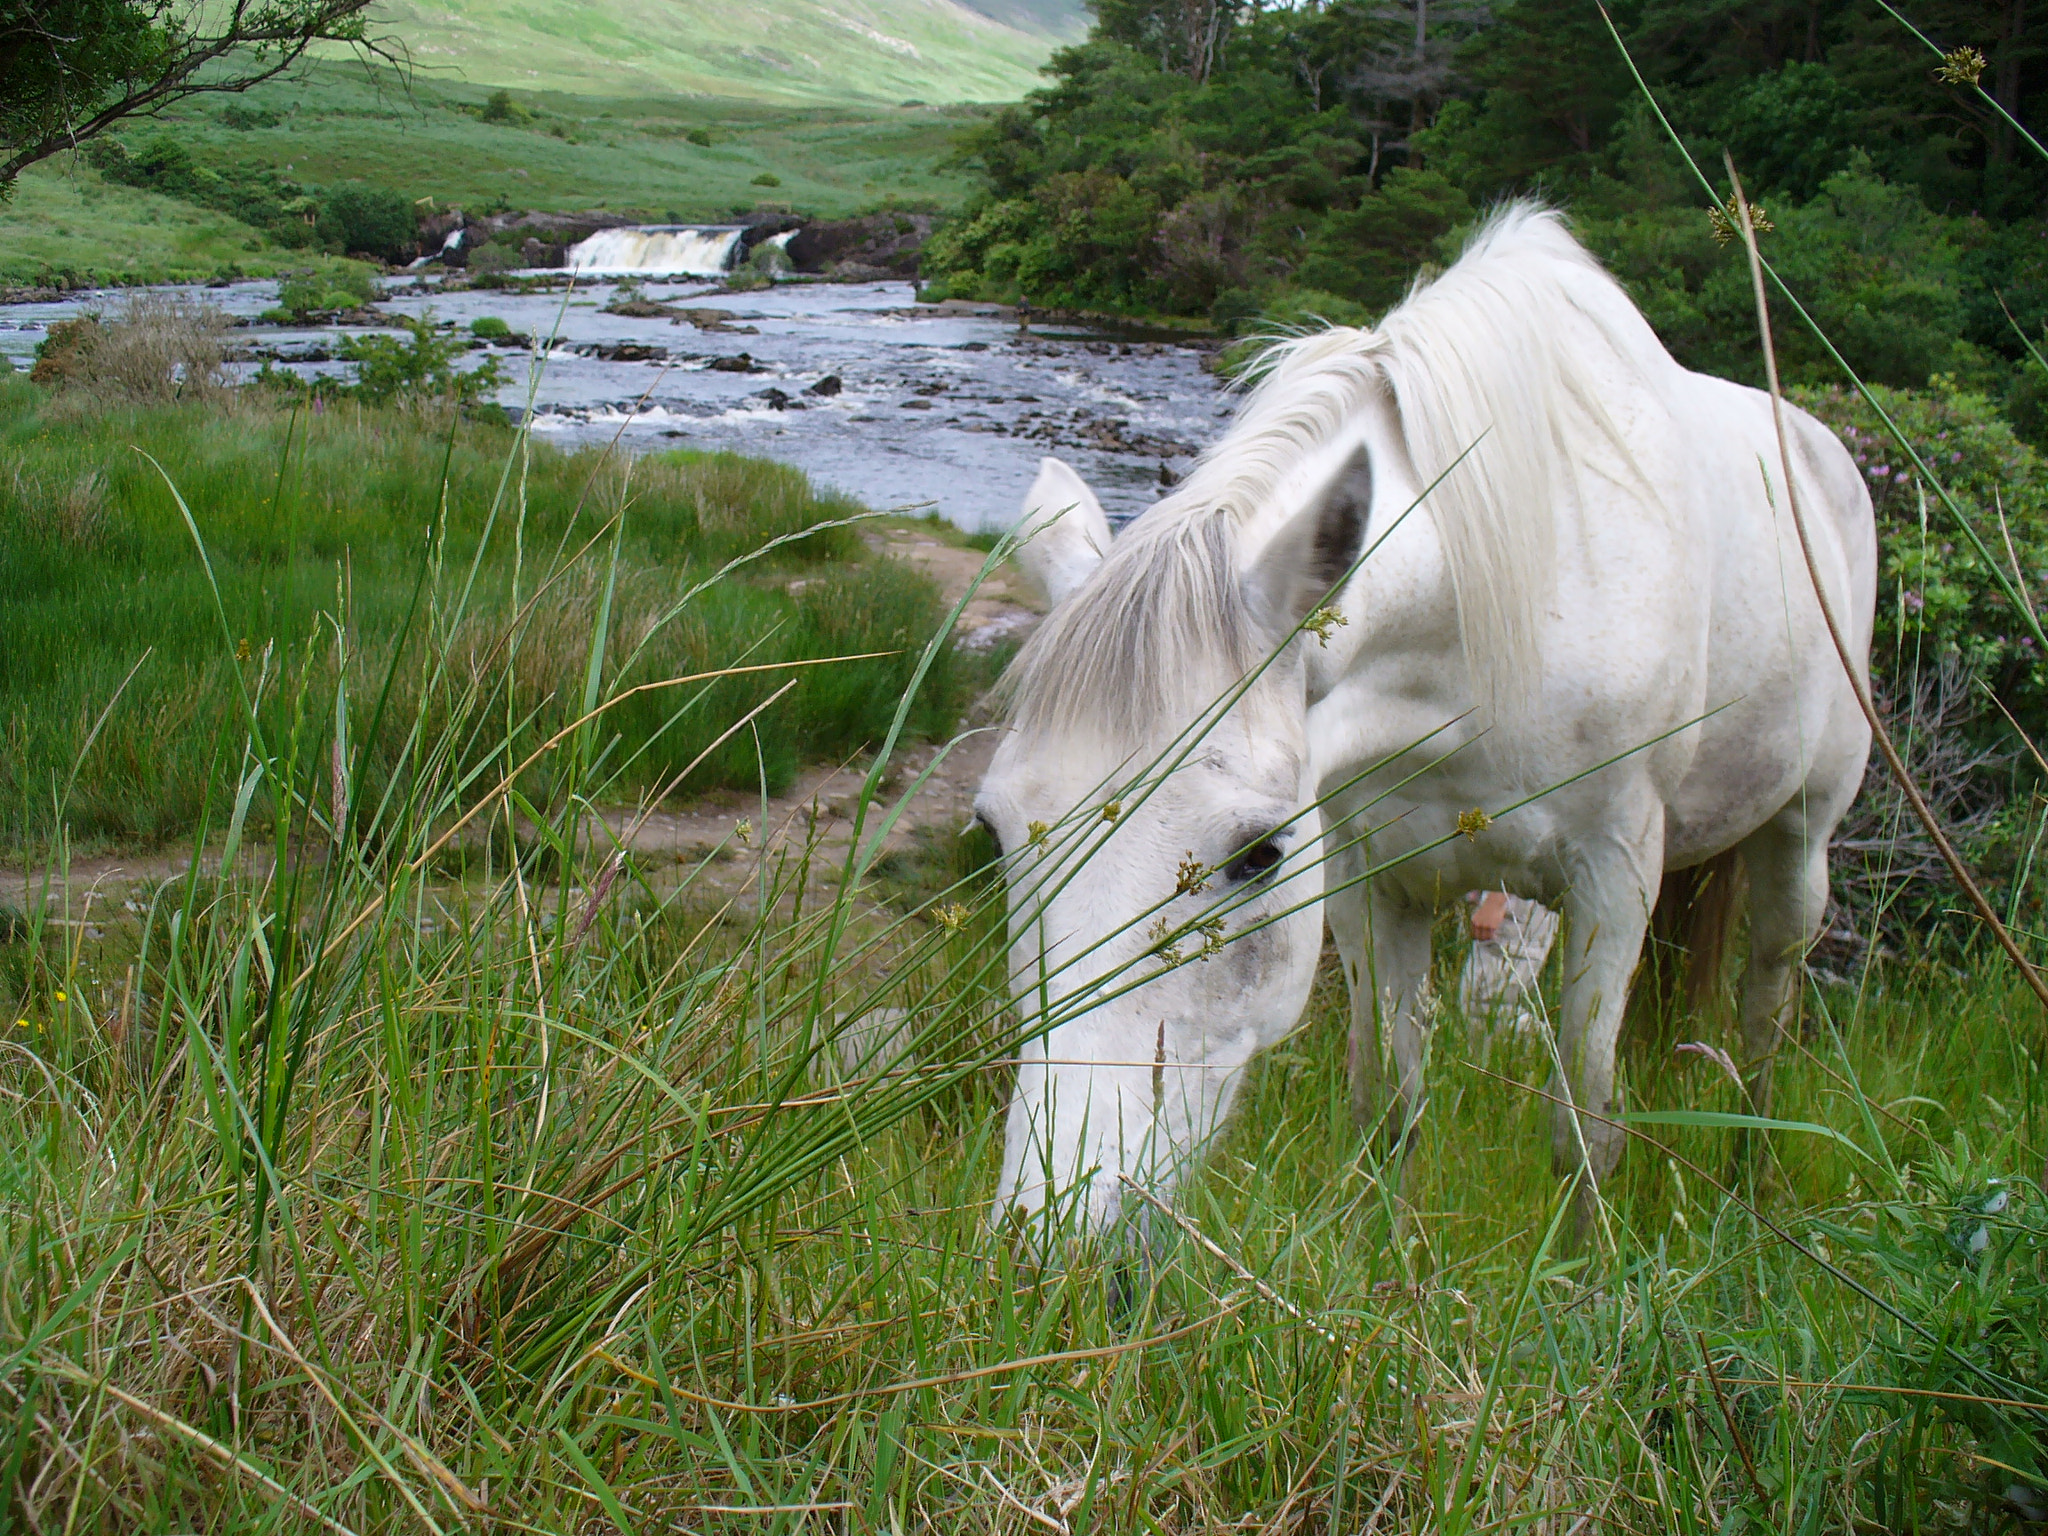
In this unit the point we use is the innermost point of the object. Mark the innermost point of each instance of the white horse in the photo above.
(1593, 655)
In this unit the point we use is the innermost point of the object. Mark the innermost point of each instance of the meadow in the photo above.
(425, 135)
(412, 1158)
(348, 1184)
(340, 1195)
(802, 51)
(173, 565)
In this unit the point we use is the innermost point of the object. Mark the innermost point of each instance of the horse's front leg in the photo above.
(1608, 908)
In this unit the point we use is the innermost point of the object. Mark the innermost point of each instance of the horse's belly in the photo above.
(1724, 800)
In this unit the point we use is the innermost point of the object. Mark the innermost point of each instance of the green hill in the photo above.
(795, 51)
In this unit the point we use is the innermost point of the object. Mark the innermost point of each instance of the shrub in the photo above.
(360, 216)
(767, 179)
(422, 367)
(321, 290)
(489, 327)
(158, 349)
(493, 258)
(235, 115)
(1946, 637)
(499, 107)
(1937, 596)
(701, 137)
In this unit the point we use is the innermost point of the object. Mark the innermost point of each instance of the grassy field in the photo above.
(346, 1186)
(339, 1197)
(808, 51)
(356, 1188)
(316, 520)
(425, 138)
(65, 221)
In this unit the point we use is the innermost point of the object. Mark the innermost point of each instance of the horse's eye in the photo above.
(1255, 861)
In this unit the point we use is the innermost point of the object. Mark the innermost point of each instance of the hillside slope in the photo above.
(812, 51)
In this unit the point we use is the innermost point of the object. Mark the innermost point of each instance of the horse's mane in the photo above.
(1493, 359)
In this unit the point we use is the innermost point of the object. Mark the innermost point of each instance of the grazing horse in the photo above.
(1495, 596)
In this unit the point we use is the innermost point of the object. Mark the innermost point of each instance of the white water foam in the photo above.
(658, 250)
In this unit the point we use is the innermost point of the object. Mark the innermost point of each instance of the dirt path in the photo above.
(682, 836)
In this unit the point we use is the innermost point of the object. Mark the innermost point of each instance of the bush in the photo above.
(767, 179)
(159, 349)
(360, 216)
(422, 367)
(701, 137)
(493, 258)
(489, 328)
(258, 196)
(321, 290)
(499, 107)
(1938, 598)
(1946, 637)
(237, 116)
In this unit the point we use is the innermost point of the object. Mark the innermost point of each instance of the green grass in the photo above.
(813, 51)
(309, 519)
(348, 1185)
(345, 1190)
(450, 1199)
(65, 221)
(425, 139)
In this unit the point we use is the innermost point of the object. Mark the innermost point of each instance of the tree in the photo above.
(70, 69)
(1189, 36)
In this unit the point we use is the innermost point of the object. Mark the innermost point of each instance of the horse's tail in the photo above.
(1690, 931)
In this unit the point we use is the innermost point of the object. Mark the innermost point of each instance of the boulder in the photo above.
(764, 224)
(886, 243)
(546, 236)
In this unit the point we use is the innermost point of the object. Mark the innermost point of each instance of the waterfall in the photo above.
(452, 241)
(682, 250)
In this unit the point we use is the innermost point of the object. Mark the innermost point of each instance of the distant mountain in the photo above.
(1066, 20)
(814, 51)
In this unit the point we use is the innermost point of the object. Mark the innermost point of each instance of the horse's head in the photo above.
(1155, 805)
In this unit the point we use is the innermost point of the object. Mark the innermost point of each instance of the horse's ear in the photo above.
(1311, 553)
(1063, 534)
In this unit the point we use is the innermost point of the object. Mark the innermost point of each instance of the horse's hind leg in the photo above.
(1787, 859)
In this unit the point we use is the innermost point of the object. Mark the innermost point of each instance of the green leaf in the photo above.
(1715, 1117)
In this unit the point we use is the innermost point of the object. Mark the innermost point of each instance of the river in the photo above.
(939, 408)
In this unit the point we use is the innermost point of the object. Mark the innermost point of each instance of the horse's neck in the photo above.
(1400, 609)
